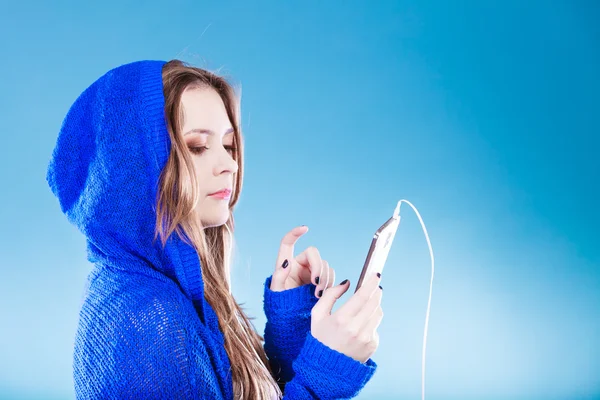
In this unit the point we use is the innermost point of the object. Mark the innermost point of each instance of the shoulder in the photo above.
(134, 323)
(139, 339)
(123, 307)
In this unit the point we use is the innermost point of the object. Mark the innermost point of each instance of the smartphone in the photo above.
(380, 247)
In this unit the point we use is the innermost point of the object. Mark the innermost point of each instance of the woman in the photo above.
(148, 166)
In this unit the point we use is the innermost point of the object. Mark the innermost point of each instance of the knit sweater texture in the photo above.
(145, 329)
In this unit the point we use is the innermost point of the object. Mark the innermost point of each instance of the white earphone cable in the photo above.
(430, 290)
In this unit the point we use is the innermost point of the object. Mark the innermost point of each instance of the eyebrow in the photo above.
(206, 131)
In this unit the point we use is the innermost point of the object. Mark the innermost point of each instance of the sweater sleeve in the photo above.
(147, 350)
(308, 368)
(324, 373)
(288, 323)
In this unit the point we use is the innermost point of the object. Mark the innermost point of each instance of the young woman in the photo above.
(148, 166)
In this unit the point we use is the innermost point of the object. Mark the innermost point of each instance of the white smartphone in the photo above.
(380, 247)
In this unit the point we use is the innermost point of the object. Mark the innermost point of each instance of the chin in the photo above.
(214, 220)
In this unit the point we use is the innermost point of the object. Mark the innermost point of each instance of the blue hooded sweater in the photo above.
(145, 329)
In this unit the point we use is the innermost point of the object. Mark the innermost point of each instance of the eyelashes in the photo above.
(201, 149)
(198, 149)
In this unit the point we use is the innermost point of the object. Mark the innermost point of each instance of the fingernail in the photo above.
(380, 287)
(320, 293)
(285, 264)
(317, 280)
(344, 282)
(378, 275)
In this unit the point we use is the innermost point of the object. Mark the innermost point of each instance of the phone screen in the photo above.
(379, 250)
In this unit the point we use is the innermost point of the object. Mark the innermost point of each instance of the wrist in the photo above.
(296, 300)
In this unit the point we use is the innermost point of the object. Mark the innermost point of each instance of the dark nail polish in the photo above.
(285, 264)
(317, 280)
(320, 293)
(344, 282)
(378, 275)
(380, 287)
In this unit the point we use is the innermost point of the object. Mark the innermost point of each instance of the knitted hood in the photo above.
(104, 170)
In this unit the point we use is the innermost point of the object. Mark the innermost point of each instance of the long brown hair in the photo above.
(177, 198)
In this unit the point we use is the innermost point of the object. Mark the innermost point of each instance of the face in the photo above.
(209, 136)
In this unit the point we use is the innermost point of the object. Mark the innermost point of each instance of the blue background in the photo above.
(485, 115)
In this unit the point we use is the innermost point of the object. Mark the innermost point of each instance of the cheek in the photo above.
(202, 175)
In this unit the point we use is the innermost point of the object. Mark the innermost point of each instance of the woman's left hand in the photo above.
(307, 267)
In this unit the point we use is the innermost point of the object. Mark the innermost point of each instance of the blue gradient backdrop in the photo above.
(485, 115)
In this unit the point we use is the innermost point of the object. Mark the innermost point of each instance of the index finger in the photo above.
(286, 248)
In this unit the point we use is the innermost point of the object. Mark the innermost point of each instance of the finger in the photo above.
(324, 281)
(369, 309)
(311, 259)
(330, 276)
(280, 275)
(372, 324)
(362, 296)
(285, 257)
(325, 304)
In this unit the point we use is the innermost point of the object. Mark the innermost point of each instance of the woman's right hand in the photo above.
(352, 329)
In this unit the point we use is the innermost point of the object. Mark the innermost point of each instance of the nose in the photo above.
(225, 163)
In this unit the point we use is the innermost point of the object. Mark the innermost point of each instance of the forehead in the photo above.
(202, 108)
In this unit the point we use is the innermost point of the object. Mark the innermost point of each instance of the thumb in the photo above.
(325, 304)
(285, 257)
(282, 271)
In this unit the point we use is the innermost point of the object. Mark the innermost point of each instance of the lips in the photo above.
(222, 192)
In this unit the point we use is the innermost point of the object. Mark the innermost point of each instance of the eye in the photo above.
(231, 149)
(198, 149)
(201, 149)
